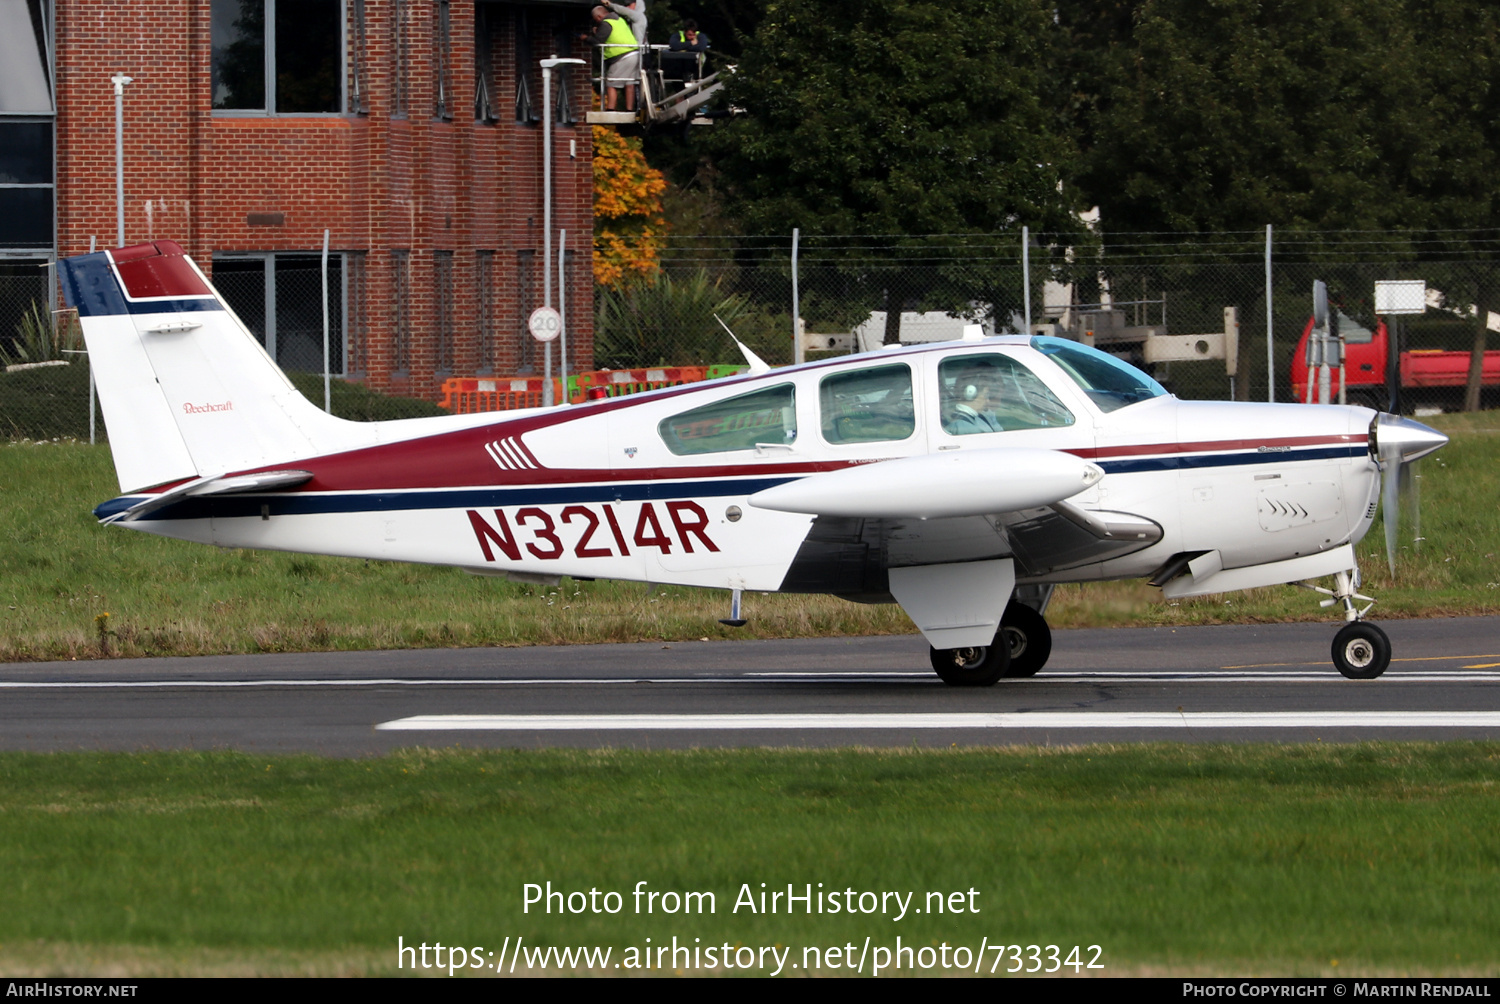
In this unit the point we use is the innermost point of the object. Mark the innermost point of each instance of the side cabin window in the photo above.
(995, 393)
(763, 418)
(870, 405)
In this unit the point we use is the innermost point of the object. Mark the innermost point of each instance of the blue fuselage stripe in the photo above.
(241, 506)
(1199, 461)
(231, 506)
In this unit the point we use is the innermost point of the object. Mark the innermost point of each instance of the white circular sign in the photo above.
(544, 324)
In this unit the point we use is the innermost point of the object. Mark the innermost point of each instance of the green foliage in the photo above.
(667, 321)
(37, 341)
(361, 404)
(1330, 114)
(908, 118)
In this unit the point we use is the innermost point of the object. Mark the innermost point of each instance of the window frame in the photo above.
(843, 374)
(669, 437)
(50, 187)
(268, 67)
(965, 359)
(339, 362)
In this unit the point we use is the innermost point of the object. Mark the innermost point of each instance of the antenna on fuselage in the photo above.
(757, 364)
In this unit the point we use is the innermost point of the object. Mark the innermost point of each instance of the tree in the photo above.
(629, 229)
(895, 121)
(1223, 115)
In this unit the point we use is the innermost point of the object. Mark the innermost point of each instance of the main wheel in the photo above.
(1361, 651)
(1028, 637)
(971, 667)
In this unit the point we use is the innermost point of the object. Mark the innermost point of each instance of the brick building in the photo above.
(410, 129)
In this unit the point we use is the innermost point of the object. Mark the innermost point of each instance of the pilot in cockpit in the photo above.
(971, 408)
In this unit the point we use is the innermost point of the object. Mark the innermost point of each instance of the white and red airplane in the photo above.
(961, 480)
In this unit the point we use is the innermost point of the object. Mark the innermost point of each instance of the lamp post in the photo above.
(120, 80)
(547, 67)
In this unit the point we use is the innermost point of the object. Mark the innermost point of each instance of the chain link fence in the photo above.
(44, 379)
(1160, 302)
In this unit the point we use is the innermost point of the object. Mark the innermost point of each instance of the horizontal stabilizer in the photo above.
(222, 485)
(968, 483)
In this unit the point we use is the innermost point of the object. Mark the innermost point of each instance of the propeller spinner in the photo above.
(1395, 441)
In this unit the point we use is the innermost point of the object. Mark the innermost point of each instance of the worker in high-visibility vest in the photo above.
(618, 39)
(686, 50)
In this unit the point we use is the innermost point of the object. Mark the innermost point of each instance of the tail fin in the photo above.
(186, 390)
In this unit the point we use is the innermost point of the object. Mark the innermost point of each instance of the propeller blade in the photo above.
(1390, 489)
(1398, 442)
(1411, 488)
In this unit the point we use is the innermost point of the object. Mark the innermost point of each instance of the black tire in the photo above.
(971, 667)
(1028, 637)
(1361, 651)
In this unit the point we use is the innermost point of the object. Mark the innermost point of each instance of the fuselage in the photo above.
(658, 486)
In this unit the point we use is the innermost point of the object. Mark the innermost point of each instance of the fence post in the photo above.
(798, 356)
(562, 310)
(1270, 325)
(1026, 273)
(327, 376)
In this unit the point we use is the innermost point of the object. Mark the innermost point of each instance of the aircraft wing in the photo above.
(937, 485)
(948, 534)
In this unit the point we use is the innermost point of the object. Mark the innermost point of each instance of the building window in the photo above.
(400, 45)
(401, 311)
(358, 59)
(484, 282)
(280, 299)
(442, 281)
(562, 97)
(25, 70)
(442, 54)
(26, 188)
(525, 304)
(281, 56)
(485, 28)
(26, 180)
(526, 110)
(357, 320)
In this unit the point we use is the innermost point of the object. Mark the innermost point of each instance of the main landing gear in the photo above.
(1361, 651)
(1020, 648)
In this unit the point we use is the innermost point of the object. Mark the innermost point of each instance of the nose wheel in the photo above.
(1361, 651)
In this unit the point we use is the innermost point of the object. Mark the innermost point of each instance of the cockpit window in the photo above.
(870, 405)
(1111, 383)
(995, 393)
(766, 417)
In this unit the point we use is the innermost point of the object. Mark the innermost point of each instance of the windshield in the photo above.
(1111, 383)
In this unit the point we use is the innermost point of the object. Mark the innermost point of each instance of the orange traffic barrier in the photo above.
(465, 395)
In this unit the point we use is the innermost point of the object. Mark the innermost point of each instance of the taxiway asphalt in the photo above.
(1232, 683)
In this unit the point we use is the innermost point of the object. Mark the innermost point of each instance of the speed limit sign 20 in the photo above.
(545, 324)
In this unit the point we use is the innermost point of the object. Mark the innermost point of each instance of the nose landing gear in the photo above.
(1361, 651)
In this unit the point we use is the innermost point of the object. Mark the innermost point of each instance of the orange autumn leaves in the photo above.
(629, 228)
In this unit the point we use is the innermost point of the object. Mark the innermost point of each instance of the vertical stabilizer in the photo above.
(186, 390)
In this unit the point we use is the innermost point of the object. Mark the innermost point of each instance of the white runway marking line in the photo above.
(972, 720)
(867, 676)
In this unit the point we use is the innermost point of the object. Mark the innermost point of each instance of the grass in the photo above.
(61, 574)
(1304, 859)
